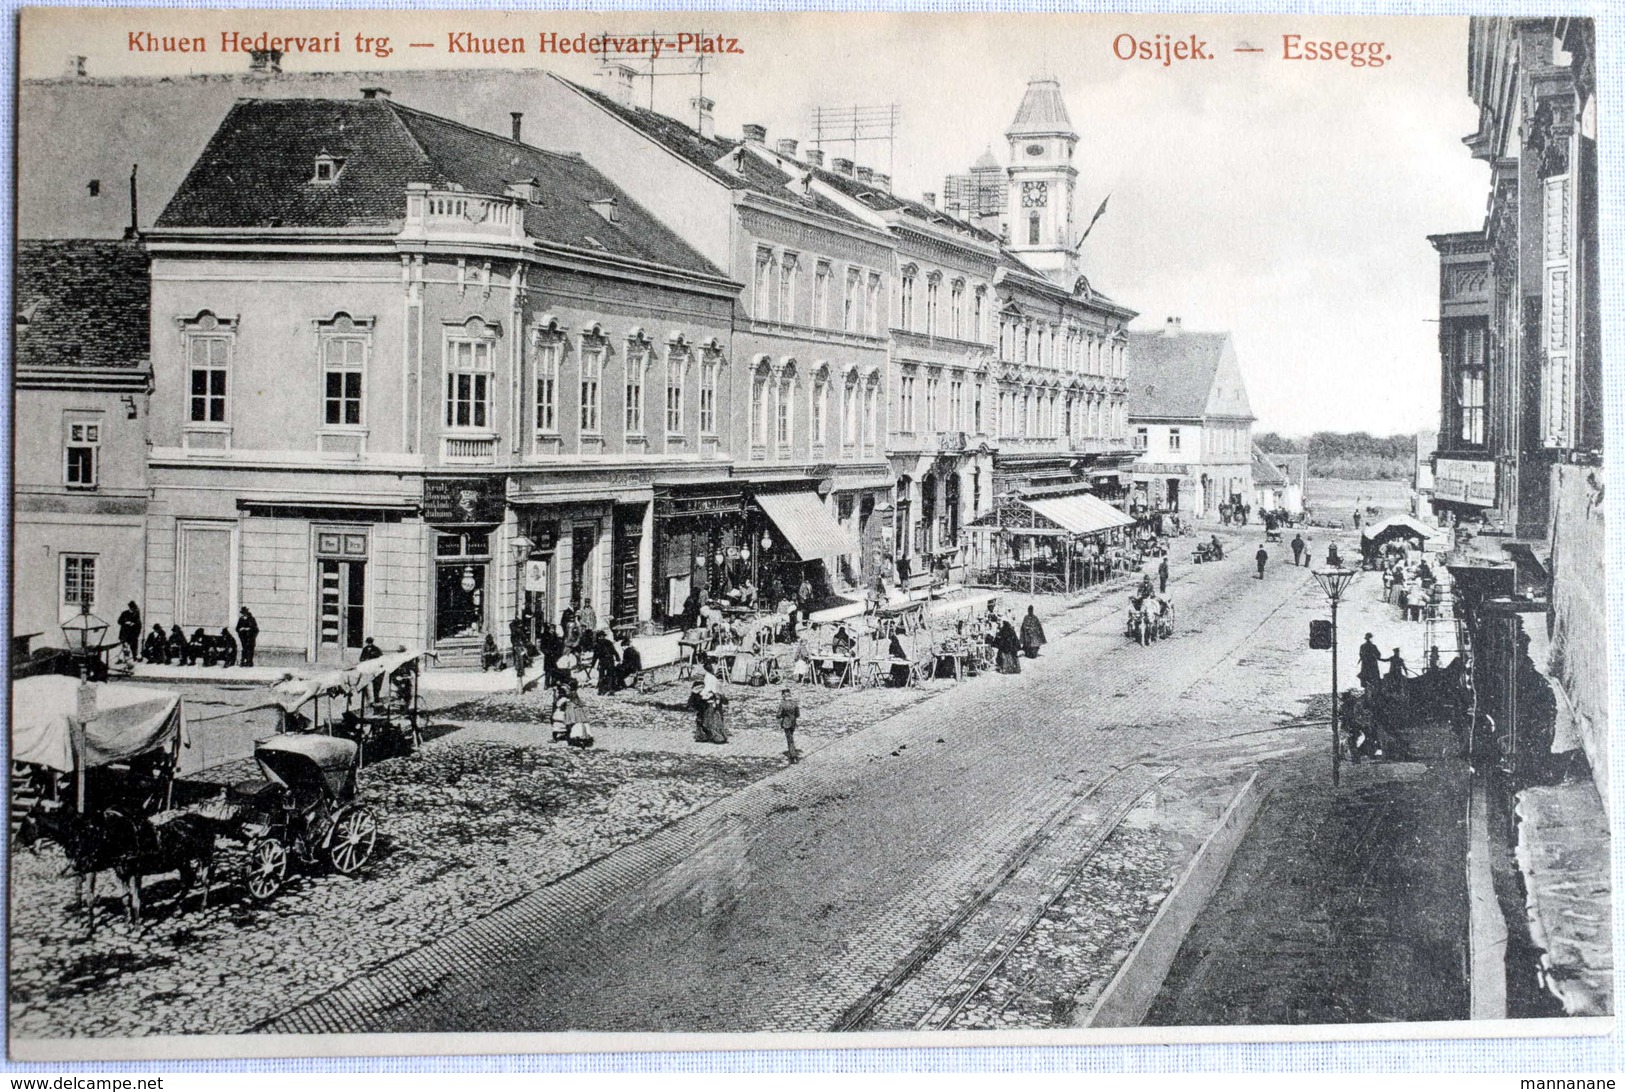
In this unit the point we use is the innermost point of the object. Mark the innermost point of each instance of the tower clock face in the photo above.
(1034, 194)
(1035, 149)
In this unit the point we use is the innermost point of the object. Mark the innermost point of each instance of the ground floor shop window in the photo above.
(461, 564)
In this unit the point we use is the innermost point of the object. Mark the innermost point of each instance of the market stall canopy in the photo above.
(1080, 513)
(291, 693)
(806, 524)
(123, 721)
(1401, 526)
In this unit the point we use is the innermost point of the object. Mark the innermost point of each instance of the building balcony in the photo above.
(472, 449)
(453, 214)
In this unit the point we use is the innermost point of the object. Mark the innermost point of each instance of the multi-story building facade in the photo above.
(1059, 419)
(414, 376)
(1192, 423)
(79, 456)
(1518, 474)
(810, 326)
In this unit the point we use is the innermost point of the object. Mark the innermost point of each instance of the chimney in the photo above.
(268, 61)
(865, 174)
(754, 134)
(134, 230)
(616, 80)
(375, 92)
(815, 156)
(705, 119)
(1174, 326)
(76, 66)
(841, 165)
(786, 147)
(518, 117)
(883, 182)
(930, 198)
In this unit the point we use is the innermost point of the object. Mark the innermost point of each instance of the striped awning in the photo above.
(1081, 513)
(806, 524)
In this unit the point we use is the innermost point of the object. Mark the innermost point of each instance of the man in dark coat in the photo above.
(202, 648)
(1262, 556)
(1162, 575)
(551, 646)
(226, 644)
(180, 653)
(129, 629)
(371, 651)
(248, 634)
(1297, 550)
(608, 662)
(155, 650)
(1032, 634)
(631, 662)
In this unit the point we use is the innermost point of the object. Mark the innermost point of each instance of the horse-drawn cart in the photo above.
(304, 811)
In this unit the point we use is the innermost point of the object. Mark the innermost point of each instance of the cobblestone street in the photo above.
(521, 885)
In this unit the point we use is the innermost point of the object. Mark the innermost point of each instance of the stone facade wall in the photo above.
(1580, 607)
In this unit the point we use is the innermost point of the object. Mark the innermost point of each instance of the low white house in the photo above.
(1190, 421)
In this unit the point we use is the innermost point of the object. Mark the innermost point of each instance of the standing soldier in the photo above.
(789, 717)
(248, 633)
(1162, 575)
(1261, 557)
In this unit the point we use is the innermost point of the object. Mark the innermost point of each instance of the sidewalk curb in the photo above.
(1129, 995)
(1486, 926)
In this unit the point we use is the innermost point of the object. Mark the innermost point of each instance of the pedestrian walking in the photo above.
(248, 635)
(1297, 550)
(129, 629)
(1261, 557)
(1162, 575)
(1008, 646)
(1032, 634)
(789, 717)
(608, 662)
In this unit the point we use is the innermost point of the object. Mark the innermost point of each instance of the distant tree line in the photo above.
(1352, 455)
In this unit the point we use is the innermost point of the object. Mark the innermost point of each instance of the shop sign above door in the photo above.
(464, 500)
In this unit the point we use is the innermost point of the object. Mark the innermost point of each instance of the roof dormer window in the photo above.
(327, 168)
(607, 207)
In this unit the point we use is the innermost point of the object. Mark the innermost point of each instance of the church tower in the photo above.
(1038, 208)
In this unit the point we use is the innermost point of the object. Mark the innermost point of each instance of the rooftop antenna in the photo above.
(857, 125)
(647, 66)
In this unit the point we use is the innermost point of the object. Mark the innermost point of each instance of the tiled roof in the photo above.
(748, 171)
(882, 200)
(81, 303)
(1172, 376)
(256, 172)
(1042, 110)
(1266, 472)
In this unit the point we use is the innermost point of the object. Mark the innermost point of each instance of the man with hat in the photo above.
(789, 716)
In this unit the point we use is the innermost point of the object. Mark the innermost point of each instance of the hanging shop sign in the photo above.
(536, 576)
(1465, 481)
(464, 500)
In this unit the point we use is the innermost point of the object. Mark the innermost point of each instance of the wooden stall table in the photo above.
(839, 664)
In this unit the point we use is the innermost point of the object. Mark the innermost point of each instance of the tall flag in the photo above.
(1101, 211)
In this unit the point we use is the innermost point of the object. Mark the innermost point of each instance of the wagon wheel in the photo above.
(267, 868)
(352, 842)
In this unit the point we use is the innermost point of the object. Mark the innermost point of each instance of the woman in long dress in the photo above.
(1032, 634)
(1009, 646)
(707, 701)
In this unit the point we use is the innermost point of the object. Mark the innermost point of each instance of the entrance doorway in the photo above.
(341, 592)
(1173, 494)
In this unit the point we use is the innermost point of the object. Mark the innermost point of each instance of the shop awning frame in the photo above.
(805, 524)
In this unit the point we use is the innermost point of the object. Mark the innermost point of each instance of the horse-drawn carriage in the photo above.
(303, 811)
(374, 701)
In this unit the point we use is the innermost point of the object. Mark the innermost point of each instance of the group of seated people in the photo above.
(176, 648)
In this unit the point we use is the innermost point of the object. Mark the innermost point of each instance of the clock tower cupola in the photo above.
(1042, 181)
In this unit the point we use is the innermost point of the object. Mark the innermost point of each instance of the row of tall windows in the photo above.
(777, 294)
(966, 312)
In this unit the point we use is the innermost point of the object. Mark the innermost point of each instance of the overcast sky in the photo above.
(1288, 202)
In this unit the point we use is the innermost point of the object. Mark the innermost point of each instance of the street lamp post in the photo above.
(83, 633)
(1334, 581)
